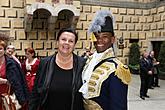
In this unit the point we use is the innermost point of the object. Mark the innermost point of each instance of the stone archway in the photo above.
(53, 10)
(70, 8)
(35, 6)
(39, 6)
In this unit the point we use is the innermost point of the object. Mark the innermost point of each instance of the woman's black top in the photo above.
(60, 91)
(41, 90)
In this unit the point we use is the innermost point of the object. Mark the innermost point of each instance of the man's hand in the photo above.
(150, 72)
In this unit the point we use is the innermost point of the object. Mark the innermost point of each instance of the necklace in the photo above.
(65, 60)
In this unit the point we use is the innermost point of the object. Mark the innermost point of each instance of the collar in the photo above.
(90, 64)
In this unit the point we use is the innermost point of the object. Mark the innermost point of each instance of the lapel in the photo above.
(49, 71)
(109, 53)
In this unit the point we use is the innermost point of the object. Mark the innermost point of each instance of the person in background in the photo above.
(145, 72)
(154, 79)
(59, 77)
(30, 67)
(105, 78)
(156, 73)
(151, 77)
(11, 74)
(10, 53)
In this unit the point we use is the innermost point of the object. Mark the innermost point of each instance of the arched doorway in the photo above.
(40, 19)
(65, 18)
(156, 47)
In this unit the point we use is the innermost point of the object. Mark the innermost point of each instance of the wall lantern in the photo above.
(121, 41)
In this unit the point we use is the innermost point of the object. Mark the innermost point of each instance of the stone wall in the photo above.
(12, 21)
(145, 24)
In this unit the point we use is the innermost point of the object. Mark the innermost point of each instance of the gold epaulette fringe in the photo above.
(123, 73)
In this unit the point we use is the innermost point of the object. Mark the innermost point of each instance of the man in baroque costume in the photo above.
(105, 78)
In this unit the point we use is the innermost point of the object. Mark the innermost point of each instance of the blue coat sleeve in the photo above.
(118, 93)
(113, 94)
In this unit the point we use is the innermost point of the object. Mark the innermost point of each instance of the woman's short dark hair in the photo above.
(71, 30)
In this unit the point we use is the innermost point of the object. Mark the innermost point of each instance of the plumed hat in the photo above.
(103, 22)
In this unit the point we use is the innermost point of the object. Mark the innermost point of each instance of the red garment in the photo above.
(30, 72)
(3, 87)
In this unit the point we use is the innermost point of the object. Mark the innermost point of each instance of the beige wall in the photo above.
(144, 1)
(131, 23)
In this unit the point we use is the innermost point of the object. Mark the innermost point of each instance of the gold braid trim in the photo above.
(91, 105)
(99, 75)
(123, 73)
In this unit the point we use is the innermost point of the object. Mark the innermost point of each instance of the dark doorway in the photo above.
(156, 47)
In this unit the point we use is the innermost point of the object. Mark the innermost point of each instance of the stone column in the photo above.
(51, 22)
(28, 22)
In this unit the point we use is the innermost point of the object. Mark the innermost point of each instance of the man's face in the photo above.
(104, 41)
(145, 54)
(152, 53)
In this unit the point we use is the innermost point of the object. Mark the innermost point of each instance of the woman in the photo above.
(11, 73)
(10, 49)
(59, 77)
(30, 67)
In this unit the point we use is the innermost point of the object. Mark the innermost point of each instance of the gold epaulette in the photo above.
(123, 73)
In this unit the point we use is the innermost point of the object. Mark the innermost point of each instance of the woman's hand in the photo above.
(3, 81)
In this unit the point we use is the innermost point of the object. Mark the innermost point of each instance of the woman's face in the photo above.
(29, 55)
(66, 43)
(2, 51)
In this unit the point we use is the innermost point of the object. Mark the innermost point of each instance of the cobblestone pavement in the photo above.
(155, 102)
